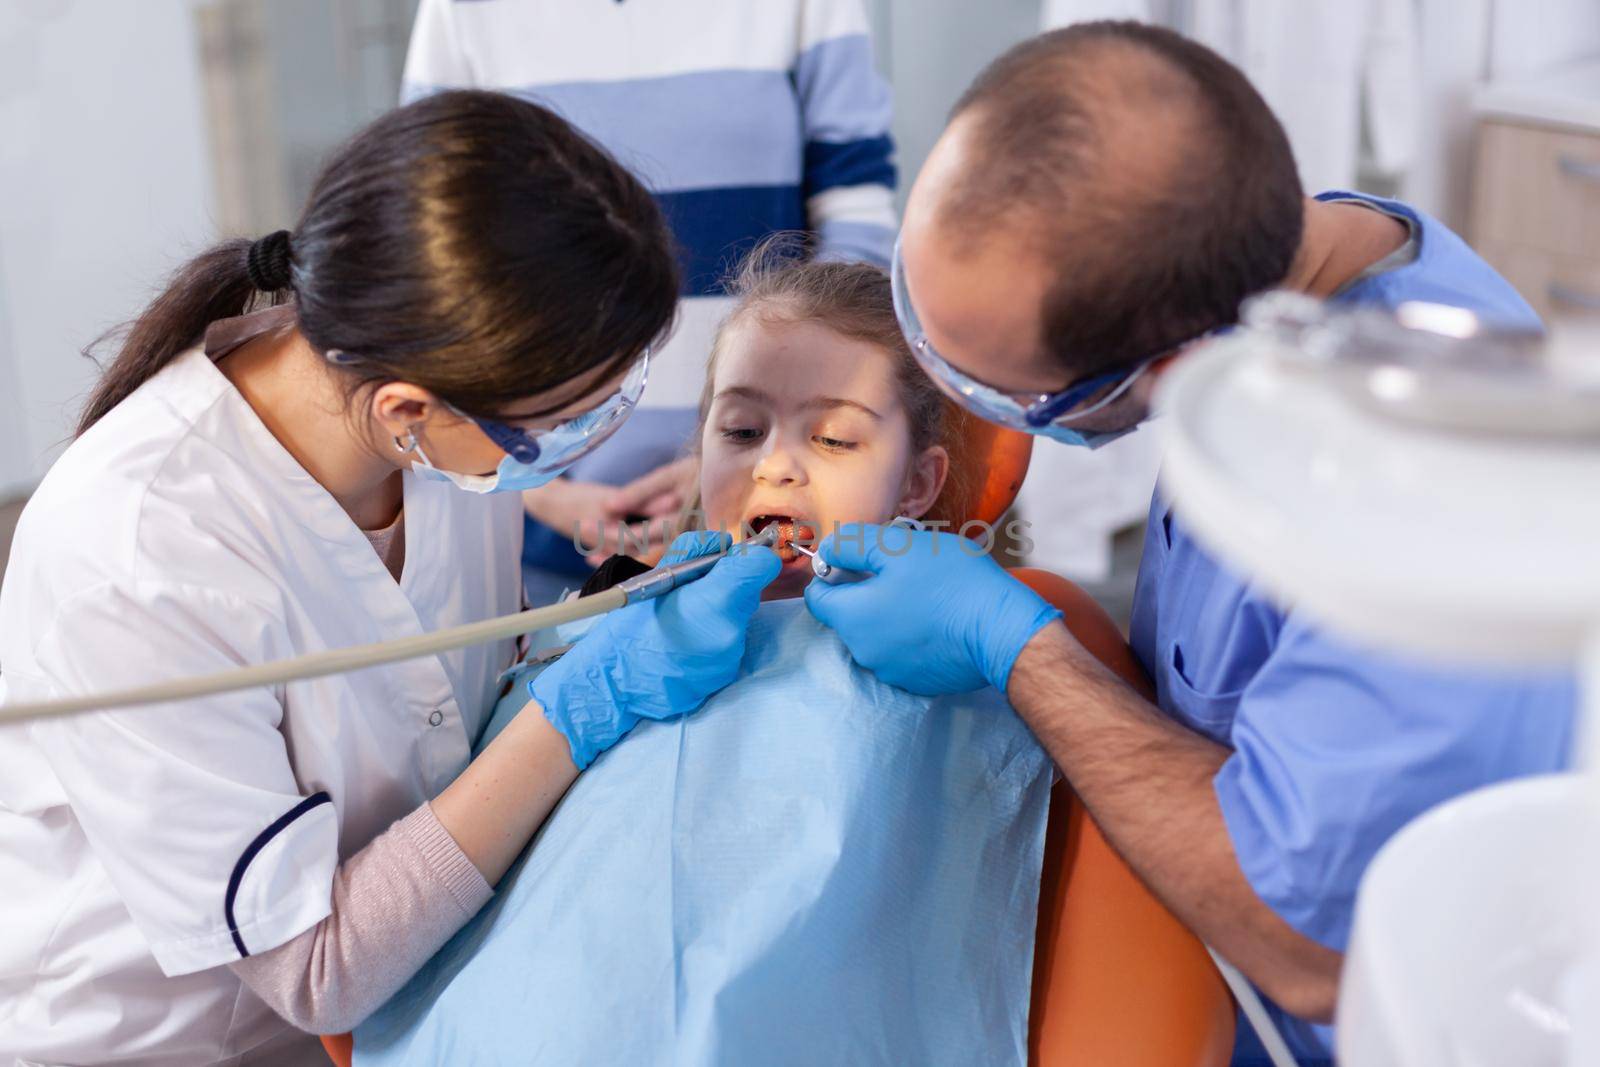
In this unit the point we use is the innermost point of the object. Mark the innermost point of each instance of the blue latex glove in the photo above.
(935, 617)
(659, 659)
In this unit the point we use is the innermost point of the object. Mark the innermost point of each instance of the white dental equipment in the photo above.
(1323, 453)
(647, 586)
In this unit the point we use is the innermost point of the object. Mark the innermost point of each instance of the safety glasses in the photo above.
(567, 442)
(1029, 412)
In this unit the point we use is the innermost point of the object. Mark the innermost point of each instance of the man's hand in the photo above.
(937, 615)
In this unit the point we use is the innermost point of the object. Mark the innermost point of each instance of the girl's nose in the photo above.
(778, 465)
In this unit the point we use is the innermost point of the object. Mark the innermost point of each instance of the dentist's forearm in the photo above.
(393, 904)
(1148, 783)
(497, 804)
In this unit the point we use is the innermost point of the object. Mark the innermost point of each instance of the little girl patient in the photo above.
(814, 867)
(814, 412)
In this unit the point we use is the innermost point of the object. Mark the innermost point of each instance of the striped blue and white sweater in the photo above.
(743, 117)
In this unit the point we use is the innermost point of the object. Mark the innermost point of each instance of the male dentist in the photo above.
(1104, 196)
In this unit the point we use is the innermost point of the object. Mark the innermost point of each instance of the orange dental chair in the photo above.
(1117, 980)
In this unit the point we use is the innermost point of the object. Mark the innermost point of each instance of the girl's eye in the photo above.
(833, 444)
(742, 435)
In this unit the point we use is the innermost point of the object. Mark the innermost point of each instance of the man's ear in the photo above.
(924, 480)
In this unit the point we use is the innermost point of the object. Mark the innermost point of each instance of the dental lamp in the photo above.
(1424, 486)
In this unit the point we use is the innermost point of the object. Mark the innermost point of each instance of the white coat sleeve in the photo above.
(192, 809)
(435, 59)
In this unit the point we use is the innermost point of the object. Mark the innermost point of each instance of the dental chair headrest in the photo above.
(987, 465)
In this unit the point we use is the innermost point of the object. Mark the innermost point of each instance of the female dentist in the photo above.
(289, 454)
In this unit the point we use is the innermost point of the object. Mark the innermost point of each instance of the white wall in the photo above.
(104, 168)
(14, 475)
(104, 186)
(930, 50)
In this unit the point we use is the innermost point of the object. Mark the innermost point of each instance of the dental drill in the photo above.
(636, 590)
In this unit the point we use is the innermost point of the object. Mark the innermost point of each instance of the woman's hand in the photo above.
(654, 502)
(637, 518)
(585, 511)
(659, 659)
(661, 493)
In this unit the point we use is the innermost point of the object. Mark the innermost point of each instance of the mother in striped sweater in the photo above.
(743, 119)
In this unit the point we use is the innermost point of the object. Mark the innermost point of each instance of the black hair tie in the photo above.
(268, 262)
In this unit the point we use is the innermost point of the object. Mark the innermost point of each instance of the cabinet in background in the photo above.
(1536, 189)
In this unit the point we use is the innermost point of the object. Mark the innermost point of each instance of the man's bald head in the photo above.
(1137, 169)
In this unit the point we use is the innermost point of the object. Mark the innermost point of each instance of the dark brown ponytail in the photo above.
(213, 285)
(470, 243)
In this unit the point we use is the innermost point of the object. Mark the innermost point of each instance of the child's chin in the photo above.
(790, 582)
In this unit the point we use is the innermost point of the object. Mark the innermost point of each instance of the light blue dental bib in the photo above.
(814, 868)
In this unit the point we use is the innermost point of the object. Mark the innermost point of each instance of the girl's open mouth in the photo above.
(790, 531)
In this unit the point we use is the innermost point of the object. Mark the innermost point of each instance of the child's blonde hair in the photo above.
(852, 299)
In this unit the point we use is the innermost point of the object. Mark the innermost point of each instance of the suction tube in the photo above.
(647, 586)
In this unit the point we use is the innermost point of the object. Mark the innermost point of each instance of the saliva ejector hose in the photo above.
(647, 586)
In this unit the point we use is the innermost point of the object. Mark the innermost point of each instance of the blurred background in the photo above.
(131, 134)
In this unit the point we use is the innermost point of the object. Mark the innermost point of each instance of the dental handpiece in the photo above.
(646, 586)
(663, 580)
(827, 572)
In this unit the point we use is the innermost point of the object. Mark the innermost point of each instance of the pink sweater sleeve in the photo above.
(395, 903)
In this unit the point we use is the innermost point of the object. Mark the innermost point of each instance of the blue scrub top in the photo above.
(1335, 746)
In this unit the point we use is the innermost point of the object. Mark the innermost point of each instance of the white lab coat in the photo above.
(142, 850)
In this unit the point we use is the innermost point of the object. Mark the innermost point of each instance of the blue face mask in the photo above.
(509, 476)
(1091, 440)
(532, 459)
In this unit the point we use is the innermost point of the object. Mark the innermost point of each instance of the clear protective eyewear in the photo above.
(553, 450)
(1037, 413)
